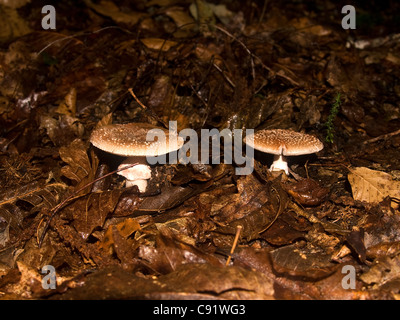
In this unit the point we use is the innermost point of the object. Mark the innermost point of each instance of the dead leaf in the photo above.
(304, 24)
(92, 210)
(226, 207)
(15, 3)
(124, 228)
(356, 240)
(202, 11)
(372, 186)
(79, 168)
(384, 274)
(326, 289)
(171, 252)
(220, 282)
(63, 130)
(285, 230)
(30, 280)
(191, 281)
(381, 250)
(307, 192)
(255, 208)
(209, 53)
(168, 198)
(68, 105)
(302, 260)
(37, 193)
(110, 9)
(161, 93)
(11, 24)
(183, 21)
(106, 120)
(158, 44)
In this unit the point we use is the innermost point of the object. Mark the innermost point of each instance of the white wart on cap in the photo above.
(131, 140)
(281, 143)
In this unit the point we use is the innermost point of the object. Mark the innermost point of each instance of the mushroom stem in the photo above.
(136, 175)
(140, 183)
(279, 163)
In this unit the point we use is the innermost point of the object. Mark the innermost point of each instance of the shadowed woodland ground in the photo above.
(231, 64)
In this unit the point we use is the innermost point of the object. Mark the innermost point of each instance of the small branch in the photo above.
(384, 136)
(235, 241)
(156, 117)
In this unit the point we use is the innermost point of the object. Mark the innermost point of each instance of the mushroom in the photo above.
(282, 143)
(132, 140)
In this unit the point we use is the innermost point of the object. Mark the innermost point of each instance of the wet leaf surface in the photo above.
(200, 231)
(194, 281)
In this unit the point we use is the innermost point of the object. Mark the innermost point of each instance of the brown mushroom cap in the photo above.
(130, 140)
(285, 142)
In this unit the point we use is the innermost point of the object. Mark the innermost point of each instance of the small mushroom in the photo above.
(130, 140)
(282, 143)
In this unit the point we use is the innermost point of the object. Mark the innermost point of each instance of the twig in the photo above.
(252, 55)
(253, 72)
(224, 75)
(81, 34)
(146, 108)
(384, 136)
(137, 100)
(235, 241)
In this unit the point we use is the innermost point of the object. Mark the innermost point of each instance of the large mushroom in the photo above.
(132, 140)
(282, 143)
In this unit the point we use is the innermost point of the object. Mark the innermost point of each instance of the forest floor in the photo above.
(330, 231)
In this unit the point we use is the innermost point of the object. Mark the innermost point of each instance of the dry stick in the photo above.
(253, 72)
(137, 100)
(146, 108)
(84, 33)
(235, 241)
(224, 75)
(57, 208)
(385, 136)
(278, 213)
(257, 58)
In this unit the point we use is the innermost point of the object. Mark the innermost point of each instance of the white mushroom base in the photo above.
(279, 164)
(141, 184)
(136, 175)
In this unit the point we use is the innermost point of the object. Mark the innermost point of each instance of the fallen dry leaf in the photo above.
(158, 44)
(207, 66)
(219, 282)
(79, 168)
(109, 9)
(302, 261)
(307, 192)
(11, 24)
(125, 229)
(92, 210)
(36, 193)
(372, 186)
(68, 106)
(385, 273)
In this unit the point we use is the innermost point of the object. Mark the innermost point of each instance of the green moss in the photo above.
(330, 130)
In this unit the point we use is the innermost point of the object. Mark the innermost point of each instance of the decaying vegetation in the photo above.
(235, 65)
